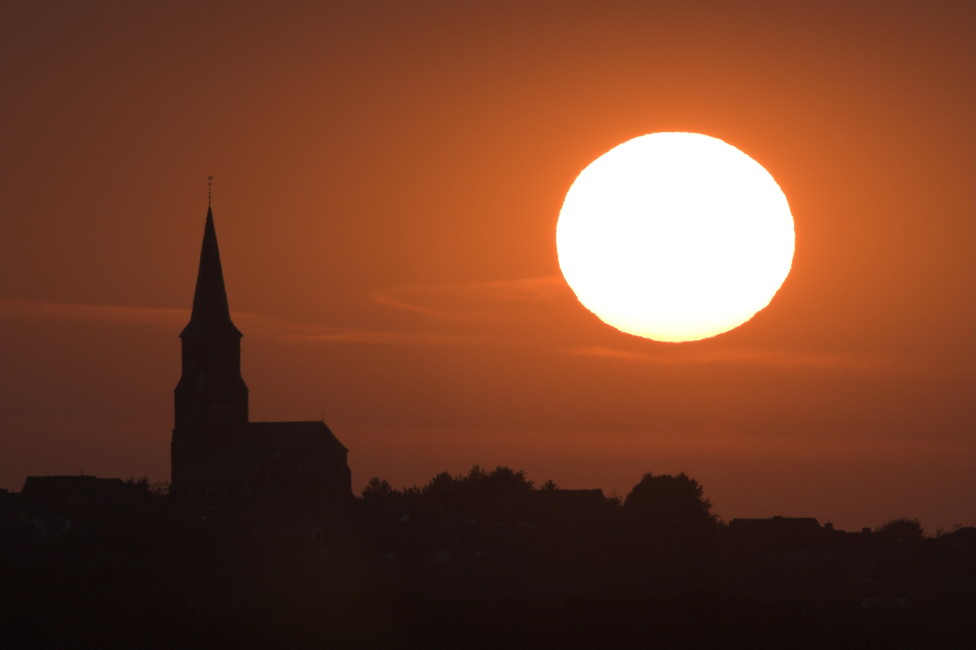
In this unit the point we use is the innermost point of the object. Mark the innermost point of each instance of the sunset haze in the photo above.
(388, 177)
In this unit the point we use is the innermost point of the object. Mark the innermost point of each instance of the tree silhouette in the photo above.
(379, 491)
(478, 484)
(902, 529)
(668, 499)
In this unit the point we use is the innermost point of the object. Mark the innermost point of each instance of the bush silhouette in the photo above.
(668, 499)
(902, 529)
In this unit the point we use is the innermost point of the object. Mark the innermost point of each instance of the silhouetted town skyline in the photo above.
(260, 540)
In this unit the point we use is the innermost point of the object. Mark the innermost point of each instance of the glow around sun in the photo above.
(675, 237)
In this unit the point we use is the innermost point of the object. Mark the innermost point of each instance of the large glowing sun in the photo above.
(675, 237)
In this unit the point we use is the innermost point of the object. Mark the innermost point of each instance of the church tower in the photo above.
(211, 396)
(293, 473)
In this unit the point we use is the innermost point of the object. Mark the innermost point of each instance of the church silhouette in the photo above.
(220, 459)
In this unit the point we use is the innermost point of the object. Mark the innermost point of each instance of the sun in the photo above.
(675, 237)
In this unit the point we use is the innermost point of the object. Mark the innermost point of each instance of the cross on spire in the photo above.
(209, 190)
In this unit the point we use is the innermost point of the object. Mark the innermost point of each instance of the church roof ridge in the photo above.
(294, 422)
(290, 432)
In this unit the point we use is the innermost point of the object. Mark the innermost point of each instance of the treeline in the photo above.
(489, 553)
(663, 498)
(484, 559)
(483, 512)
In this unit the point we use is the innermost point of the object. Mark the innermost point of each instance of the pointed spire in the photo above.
(211, 313)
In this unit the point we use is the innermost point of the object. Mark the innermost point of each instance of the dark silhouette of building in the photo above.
(219, 458)
(779, 530)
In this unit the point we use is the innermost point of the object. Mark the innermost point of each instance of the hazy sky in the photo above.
(388, 179)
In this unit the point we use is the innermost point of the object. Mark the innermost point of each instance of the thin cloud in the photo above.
(477, 301)
(254, 325)
(539, 298)
(397, 303)
(610, 353)
(287, 330)
(490, 295)
(381, 337)
(74, 311)
(777, 358)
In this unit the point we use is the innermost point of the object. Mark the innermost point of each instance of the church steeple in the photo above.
(211, 396)
(210, 308)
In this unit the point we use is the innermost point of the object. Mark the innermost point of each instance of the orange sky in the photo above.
(388, 179)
